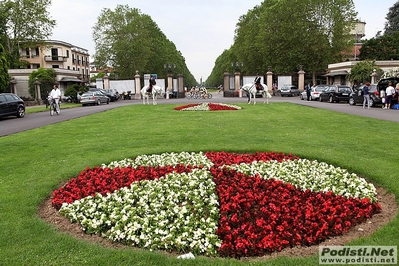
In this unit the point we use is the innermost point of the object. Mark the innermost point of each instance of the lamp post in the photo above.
(237, 78)
(237, 66)
(170, 77)
(169, 67)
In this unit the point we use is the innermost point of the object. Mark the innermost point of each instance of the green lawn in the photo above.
(36, 162)
(42, 108)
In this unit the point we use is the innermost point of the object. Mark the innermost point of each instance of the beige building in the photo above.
(71, 64)
(337, 72)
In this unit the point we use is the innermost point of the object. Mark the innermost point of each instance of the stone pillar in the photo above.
(137, 85)
(269, 78)
(374, 77)
(106, 82)
(237, 83)
(226, 84)
(180, 82)
(301, 80)
(38, 96)
(170, 85)
(13, 83)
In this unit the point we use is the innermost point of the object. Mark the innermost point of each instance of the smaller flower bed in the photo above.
(207, 107)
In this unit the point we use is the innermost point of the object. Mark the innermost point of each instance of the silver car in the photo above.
(93, 97)
(315, 92)
(289, 90)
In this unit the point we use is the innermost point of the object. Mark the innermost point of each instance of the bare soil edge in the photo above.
(385, 199)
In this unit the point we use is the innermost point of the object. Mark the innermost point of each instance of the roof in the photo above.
(337, 73)
(70, 79)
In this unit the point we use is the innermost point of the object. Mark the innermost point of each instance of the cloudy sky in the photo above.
(201, 30)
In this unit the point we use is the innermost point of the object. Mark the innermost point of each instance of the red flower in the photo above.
(257, 216)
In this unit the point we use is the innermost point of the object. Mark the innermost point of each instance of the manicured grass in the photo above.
(42, 108)
(36, 162)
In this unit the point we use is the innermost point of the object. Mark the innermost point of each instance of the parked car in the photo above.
(356, 97)
(11, 104)
(93, 97)
(336, 93)
(289, 90)
(113, 94)
(315, 93)
(66, 99)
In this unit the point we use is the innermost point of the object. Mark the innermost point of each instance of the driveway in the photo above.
(13, 125)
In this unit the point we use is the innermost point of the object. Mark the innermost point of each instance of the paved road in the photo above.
(13, 125)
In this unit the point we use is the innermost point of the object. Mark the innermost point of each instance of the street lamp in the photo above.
(237, 66)
(169, 67)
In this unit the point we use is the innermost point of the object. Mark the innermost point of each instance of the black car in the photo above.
(11, 104)
(356, 97)
(336, 93)
(112, 94)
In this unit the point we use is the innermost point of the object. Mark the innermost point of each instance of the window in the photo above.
(37, 51)
(56, 66)
(67, 53)
(9, 97)
(54, 54)
(27, 52)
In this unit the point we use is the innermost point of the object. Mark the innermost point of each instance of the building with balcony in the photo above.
(71, 64)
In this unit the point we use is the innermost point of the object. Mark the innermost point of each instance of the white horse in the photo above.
(156, 90)
(250, 89)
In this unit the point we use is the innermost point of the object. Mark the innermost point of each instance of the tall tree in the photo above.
(288, 34)
(384, 47)
(26, 22)
(128, 40)
(4, 76)
(392, 24)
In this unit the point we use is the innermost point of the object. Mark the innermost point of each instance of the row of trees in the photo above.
(126, 40)
(289, 34)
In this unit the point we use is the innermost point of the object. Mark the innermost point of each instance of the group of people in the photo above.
(387, 95)
(390, 93)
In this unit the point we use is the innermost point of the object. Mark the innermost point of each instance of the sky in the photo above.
(201, 30)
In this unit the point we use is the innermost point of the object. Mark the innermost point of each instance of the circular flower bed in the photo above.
(207, 107)
(217, 203)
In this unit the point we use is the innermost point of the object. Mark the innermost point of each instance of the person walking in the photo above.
(390, 91)
(366, 96)
(308, 92)
(55, 95)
